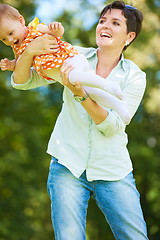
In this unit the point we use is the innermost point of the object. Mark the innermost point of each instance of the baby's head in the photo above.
(12, 25)
(7, 11)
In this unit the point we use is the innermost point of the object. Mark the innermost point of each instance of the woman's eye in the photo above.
(101, 21)
(11, 33)
(116, 23)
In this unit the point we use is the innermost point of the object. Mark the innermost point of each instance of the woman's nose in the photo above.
(106, 24)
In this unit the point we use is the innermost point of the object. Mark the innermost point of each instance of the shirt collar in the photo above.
(122, 62)
(93, 51)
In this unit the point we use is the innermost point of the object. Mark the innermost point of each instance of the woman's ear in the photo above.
(22, 20)
(131, 36)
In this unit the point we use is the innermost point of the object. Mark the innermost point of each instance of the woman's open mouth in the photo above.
(104, 34)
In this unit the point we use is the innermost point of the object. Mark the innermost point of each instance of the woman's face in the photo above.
(111, 30)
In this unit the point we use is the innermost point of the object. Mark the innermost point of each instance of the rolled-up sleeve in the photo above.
(34, 81)
(111, 125)
(133, 89)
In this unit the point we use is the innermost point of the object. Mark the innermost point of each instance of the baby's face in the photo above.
(12, 32)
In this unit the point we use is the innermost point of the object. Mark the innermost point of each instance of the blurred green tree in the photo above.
(27, 119)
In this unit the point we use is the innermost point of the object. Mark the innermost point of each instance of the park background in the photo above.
(28, 117)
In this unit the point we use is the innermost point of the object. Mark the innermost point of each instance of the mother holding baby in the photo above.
(88, 143)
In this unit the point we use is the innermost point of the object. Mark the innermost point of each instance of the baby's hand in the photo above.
(56, 29)
(54, 26)
(6, 64)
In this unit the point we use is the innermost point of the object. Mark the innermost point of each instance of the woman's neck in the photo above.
(107, 60)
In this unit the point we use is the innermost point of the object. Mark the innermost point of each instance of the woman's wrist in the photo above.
(81, 99)
(80, 94)
(29, 52)
(78, 90)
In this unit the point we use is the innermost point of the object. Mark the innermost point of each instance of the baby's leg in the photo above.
(82, 74)
(53, 73)
(108, 100)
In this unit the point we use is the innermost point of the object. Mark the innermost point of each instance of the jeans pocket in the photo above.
(53, 160)
(52, 163)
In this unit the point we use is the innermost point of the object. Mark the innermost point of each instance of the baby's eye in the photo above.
(10, 33)
(3, 39)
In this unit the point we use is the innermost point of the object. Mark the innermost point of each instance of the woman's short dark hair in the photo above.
(133, 16)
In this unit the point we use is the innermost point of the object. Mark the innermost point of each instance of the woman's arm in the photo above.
(40, 45)
(95, 111)
(134, 90)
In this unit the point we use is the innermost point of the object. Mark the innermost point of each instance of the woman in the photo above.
(88, 144)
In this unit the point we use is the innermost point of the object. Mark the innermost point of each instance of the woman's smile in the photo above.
(112, 29)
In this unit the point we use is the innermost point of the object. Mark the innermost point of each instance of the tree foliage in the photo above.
(28, 117)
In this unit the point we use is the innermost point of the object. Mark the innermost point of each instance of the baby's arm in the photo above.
(55, 28)
(6, 64)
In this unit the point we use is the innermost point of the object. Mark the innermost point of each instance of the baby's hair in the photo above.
(8, 11)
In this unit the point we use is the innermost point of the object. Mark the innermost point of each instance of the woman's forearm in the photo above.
(22, 70)
(40, 45)
(94, 110)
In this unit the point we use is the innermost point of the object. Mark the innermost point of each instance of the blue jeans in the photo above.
(118, 200)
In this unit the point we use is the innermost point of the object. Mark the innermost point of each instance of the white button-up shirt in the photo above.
(77, 142)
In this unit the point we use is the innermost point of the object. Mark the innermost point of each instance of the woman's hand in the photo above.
(42, 45)
(95, 111)
(77, 88)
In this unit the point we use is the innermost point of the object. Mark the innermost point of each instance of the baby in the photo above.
(14, 33)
